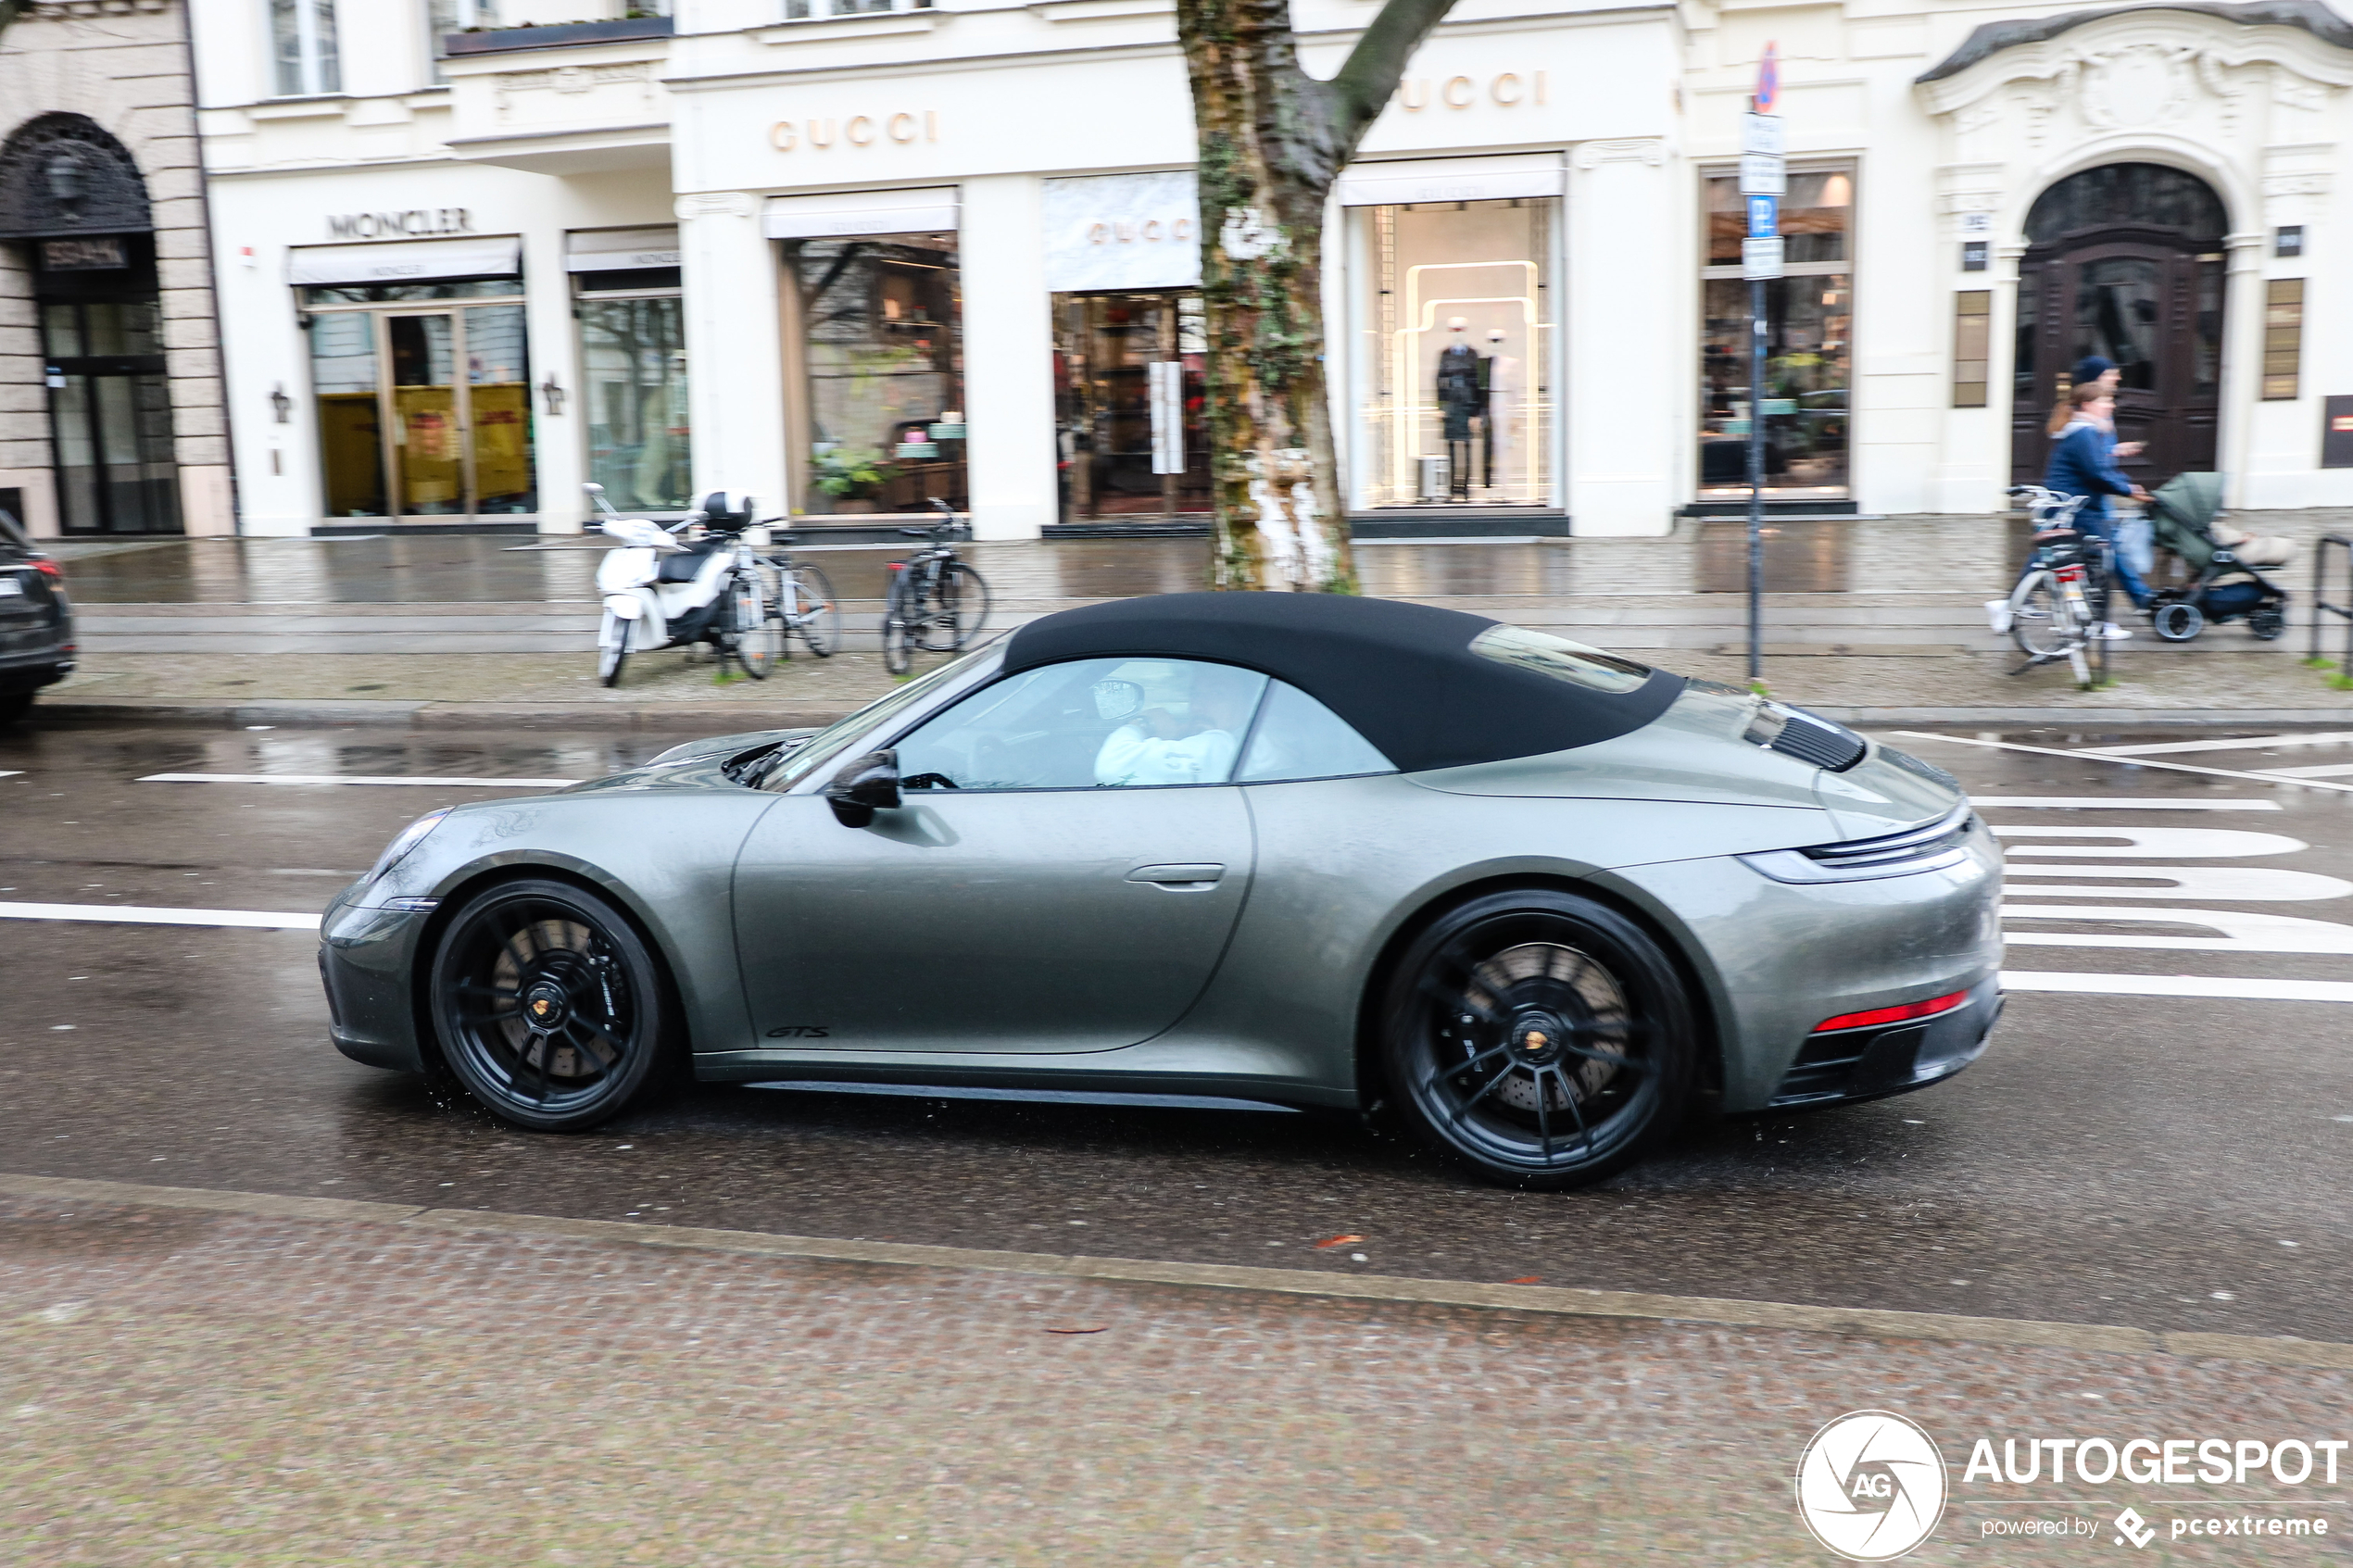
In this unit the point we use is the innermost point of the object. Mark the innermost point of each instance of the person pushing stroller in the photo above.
(2084, 463)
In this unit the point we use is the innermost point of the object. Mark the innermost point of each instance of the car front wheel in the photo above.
(547, 1004)
(1540, 1038)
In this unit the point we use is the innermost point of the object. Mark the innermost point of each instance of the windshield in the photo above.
(1560, 658)
(829, 742)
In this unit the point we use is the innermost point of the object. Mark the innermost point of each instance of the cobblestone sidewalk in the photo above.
(220, 1389)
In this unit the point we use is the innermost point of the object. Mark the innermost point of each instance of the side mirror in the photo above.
(867, 785)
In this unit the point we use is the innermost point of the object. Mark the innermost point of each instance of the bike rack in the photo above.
(2321, 604)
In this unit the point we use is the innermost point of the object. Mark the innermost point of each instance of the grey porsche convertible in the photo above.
(1536, 900)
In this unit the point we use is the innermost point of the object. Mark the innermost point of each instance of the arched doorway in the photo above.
(2124, 261)
(73, 197)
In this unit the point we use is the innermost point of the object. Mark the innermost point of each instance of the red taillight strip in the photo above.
(49, 569)
(1902, 1014)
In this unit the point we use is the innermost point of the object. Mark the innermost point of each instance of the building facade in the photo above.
(111, 419)
(858, 255)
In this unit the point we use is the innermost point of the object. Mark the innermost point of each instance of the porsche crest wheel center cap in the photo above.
(1536, 1039)
(545, 1007)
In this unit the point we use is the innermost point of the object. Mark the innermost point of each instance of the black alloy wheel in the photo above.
(1538, 1037)
(547, 1004)
(14, 706)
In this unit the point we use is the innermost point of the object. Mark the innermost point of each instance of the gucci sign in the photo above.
(858, 130)
(1509, 91)
(1151, 231)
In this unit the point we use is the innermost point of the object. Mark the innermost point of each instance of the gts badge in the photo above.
(798, 1031)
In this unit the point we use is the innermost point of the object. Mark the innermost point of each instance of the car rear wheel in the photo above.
(548, 1005)
(1538, 1037)
(14, 706)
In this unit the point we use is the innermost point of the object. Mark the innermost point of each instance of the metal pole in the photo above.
(1755, 480)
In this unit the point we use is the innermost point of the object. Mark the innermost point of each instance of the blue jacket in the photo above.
(2083, 463)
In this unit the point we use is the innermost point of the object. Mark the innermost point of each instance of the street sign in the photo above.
(1768, 80)
(1761, 258)
(1762, 174)
(1763, 216)
(1763, 134)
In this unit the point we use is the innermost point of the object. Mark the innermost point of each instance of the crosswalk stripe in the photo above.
(135, 914)
(2208, 986)
(354, 779)
(2326, 771)
(2249, 743)
(2133, 761)
(2115, 803)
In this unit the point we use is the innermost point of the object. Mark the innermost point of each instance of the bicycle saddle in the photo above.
(2058, 535)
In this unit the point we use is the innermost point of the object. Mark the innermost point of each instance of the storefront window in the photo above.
(1809, 350)
(404, 433)
(1454, 385)
(633, 356)
(1130, 405)
(881, 348)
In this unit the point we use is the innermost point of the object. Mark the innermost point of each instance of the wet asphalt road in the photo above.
(2129, 1160)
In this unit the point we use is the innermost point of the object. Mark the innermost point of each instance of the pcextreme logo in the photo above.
(1870, 1485)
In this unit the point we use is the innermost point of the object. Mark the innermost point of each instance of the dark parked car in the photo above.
(36, 624)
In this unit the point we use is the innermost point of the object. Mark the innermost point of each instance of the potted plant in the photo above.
(851, 476)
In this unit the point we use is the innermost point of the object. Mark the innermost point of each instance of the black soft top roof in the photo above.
(1403, 674)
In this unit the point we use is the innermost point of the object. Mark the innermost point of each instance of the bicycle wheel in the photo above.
(963, 607)
(2042, 623)
(898, 627)
(759, 636)
(819, 621)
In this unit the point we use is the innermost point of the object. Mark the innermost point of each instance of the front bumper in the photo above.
(366, 962)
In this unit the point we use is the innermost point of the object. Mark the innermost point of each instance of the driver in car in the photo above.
(1159, 747)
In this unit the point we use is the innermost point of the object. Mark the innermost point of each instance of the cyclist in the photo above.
(2083, 463)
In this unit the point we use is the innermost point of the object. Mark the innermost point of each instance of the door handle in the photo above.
(1179, 879)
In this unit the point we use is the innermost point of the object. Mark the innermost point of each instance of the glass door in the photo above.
(1132, 418)
(427, 459)
(110, 418)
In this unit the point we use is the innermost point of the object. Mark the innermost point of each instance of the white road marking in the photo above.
(2214, 987)
(2116, 803)
(133, 914)
(2248, 885)
(11, 773)
(2250, 742)
(2327, 770)
(2187, 843)
(355, 779)
(2133, 761)
(2244, 932)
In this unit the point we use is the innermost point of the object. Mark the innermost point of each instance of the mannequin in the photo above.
(1460, 396)
(1501, 405)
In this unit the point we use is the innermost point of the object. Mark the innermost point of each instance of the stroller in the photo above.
(2223, 584)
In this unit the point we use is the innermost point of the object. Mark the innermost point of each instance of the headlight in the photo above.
(410, 836)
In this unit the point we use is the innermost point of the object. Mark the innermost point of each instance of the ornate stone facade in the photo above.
(123, 66)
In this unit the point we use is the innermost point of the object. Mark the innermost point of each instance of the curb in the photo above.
(1864, 1322)
(727, 718)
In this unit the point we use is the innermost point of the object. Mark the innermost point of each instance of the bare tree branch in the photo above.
(1360, 90)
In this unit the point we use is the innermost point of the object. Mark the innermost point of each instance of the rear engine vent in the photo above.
(1792, 732)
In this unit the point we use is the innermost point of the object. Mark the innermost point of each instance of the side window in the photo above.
(1300, 738)
(1093, 723)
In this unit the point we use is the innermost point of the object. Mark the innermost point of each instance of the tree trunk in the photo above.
(1273, 139)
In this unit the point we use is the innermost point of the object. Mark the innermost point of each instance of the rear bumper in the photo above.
(1847, 1065)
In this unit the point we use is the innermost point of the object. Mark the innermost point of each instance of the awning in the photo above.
(929, 211)
(619, 250)
(497, 256)
(1453, 180)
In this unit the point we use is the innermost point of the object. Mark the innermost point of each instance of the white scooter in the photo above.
(662, 592)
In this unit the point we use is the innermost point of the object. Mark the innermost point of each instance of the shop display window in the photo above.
(1452, 376)
(633, 358)
(878, 326)
(1131, 435)
(1809, 334)
(422, 412)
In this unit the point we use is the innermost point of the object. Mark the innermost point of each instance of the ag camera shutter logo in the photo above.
(1871, 1487)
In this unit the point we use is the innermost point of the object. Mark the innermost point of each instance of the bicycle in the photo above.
(937, 601)
(2061, 600)
(801, 601)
